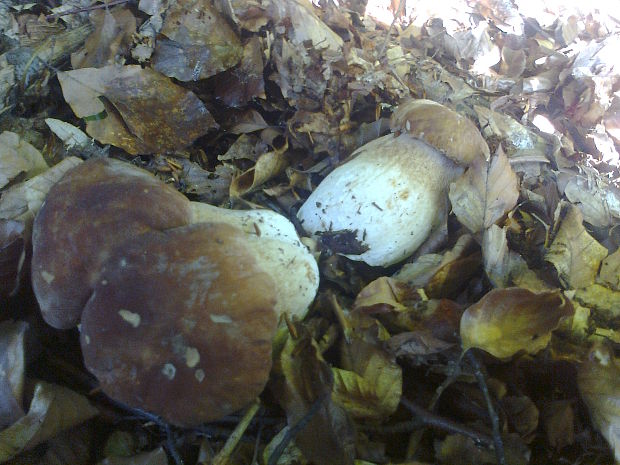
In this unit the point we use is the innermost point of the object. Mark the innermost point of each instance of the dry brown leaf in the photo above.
(197, 42)
(143, 111)
(22, 202)
(53, 409)
(381, 292)
(18, 157)
(306, 391)
(507, 321)
(485, 193)
(610, 271)
(370, 384)
(575, 254)
(598, 379)
(267, 166)
(112, 37)
(604, 302)
(558, 421)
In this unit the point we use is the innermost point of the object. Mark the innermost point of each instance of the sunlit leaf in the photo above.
(485, 193)
(506, 321)
(575, 254)
(16, 157)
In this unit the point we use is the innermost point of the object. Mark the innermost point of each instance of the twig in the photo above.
(435, 421)
(397, 13)
(294, 430)
(87, 8)
(497, 437)
(223, 456)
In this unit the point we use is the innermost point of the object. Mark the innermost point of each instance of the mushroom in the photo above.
(391, 193)
(180, 323)
(103, 203)
(178, 301)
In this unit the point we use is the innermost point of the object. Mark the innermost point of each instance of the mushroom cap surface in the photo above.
(389, 195)
(180, 323)
(93, 208)
(451, 133)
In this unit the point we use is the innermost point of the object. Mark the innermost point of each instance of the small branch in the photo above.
(87, 8)
(435, 421)
(294, 430)
(223, 456)
(497, 437)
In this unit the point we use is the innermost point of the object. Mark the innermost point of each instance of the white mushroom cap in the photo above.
(390, 195)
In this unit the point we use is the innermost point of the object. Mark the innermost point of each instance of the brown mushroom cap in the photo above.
(180, 323)
(93, 208)
(445, 129)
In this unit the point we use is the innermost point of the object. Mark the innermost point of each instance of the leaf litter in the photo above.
(496, 342)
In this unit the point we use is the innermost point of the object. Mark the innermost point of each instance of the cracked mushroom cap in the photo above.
(93, 208)
(180, 323)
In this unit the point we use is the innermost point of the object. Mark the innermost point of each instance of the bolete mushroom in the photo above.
(392, 192)
(178, 301)
(104, 202)
(180, 323)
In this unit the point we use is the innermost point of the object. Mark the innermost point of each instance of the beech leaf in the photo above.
(506, 321)
(485, 193)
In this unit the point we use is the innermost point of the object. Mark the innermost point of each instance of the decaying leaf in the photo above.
(23, 201)
(485, 193)
(370, 385)
(604, 302)
(575, 254)
(112, 37)
(599, 384)
(53, 409)
(610, 271)
(16, 157)
(12, 365)
(267, 166)
(500, 264)
(197, 42)
(507, 321)
(382, 291)
(305, 395)
(143, 111)
(594, 198)
(558, 421)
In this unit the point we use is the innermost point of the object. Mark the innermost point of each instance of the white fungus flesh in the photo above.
(389, 196)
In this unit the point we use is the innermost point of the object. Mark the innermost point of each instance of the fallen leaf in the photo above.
(196, 42)
(12, 365)
(485, 193)
(267, 166)
(604, 302)
(610, 271)
(575, 254)
(370, 385)
(16, 157)
(558, 421)
(598, 379)
(143, 111)
(112, 37)
(305, 395)
(53, 409)
(507, 321)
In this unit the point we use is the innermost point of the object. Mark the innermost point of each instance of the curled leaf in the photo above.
(506, 321)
